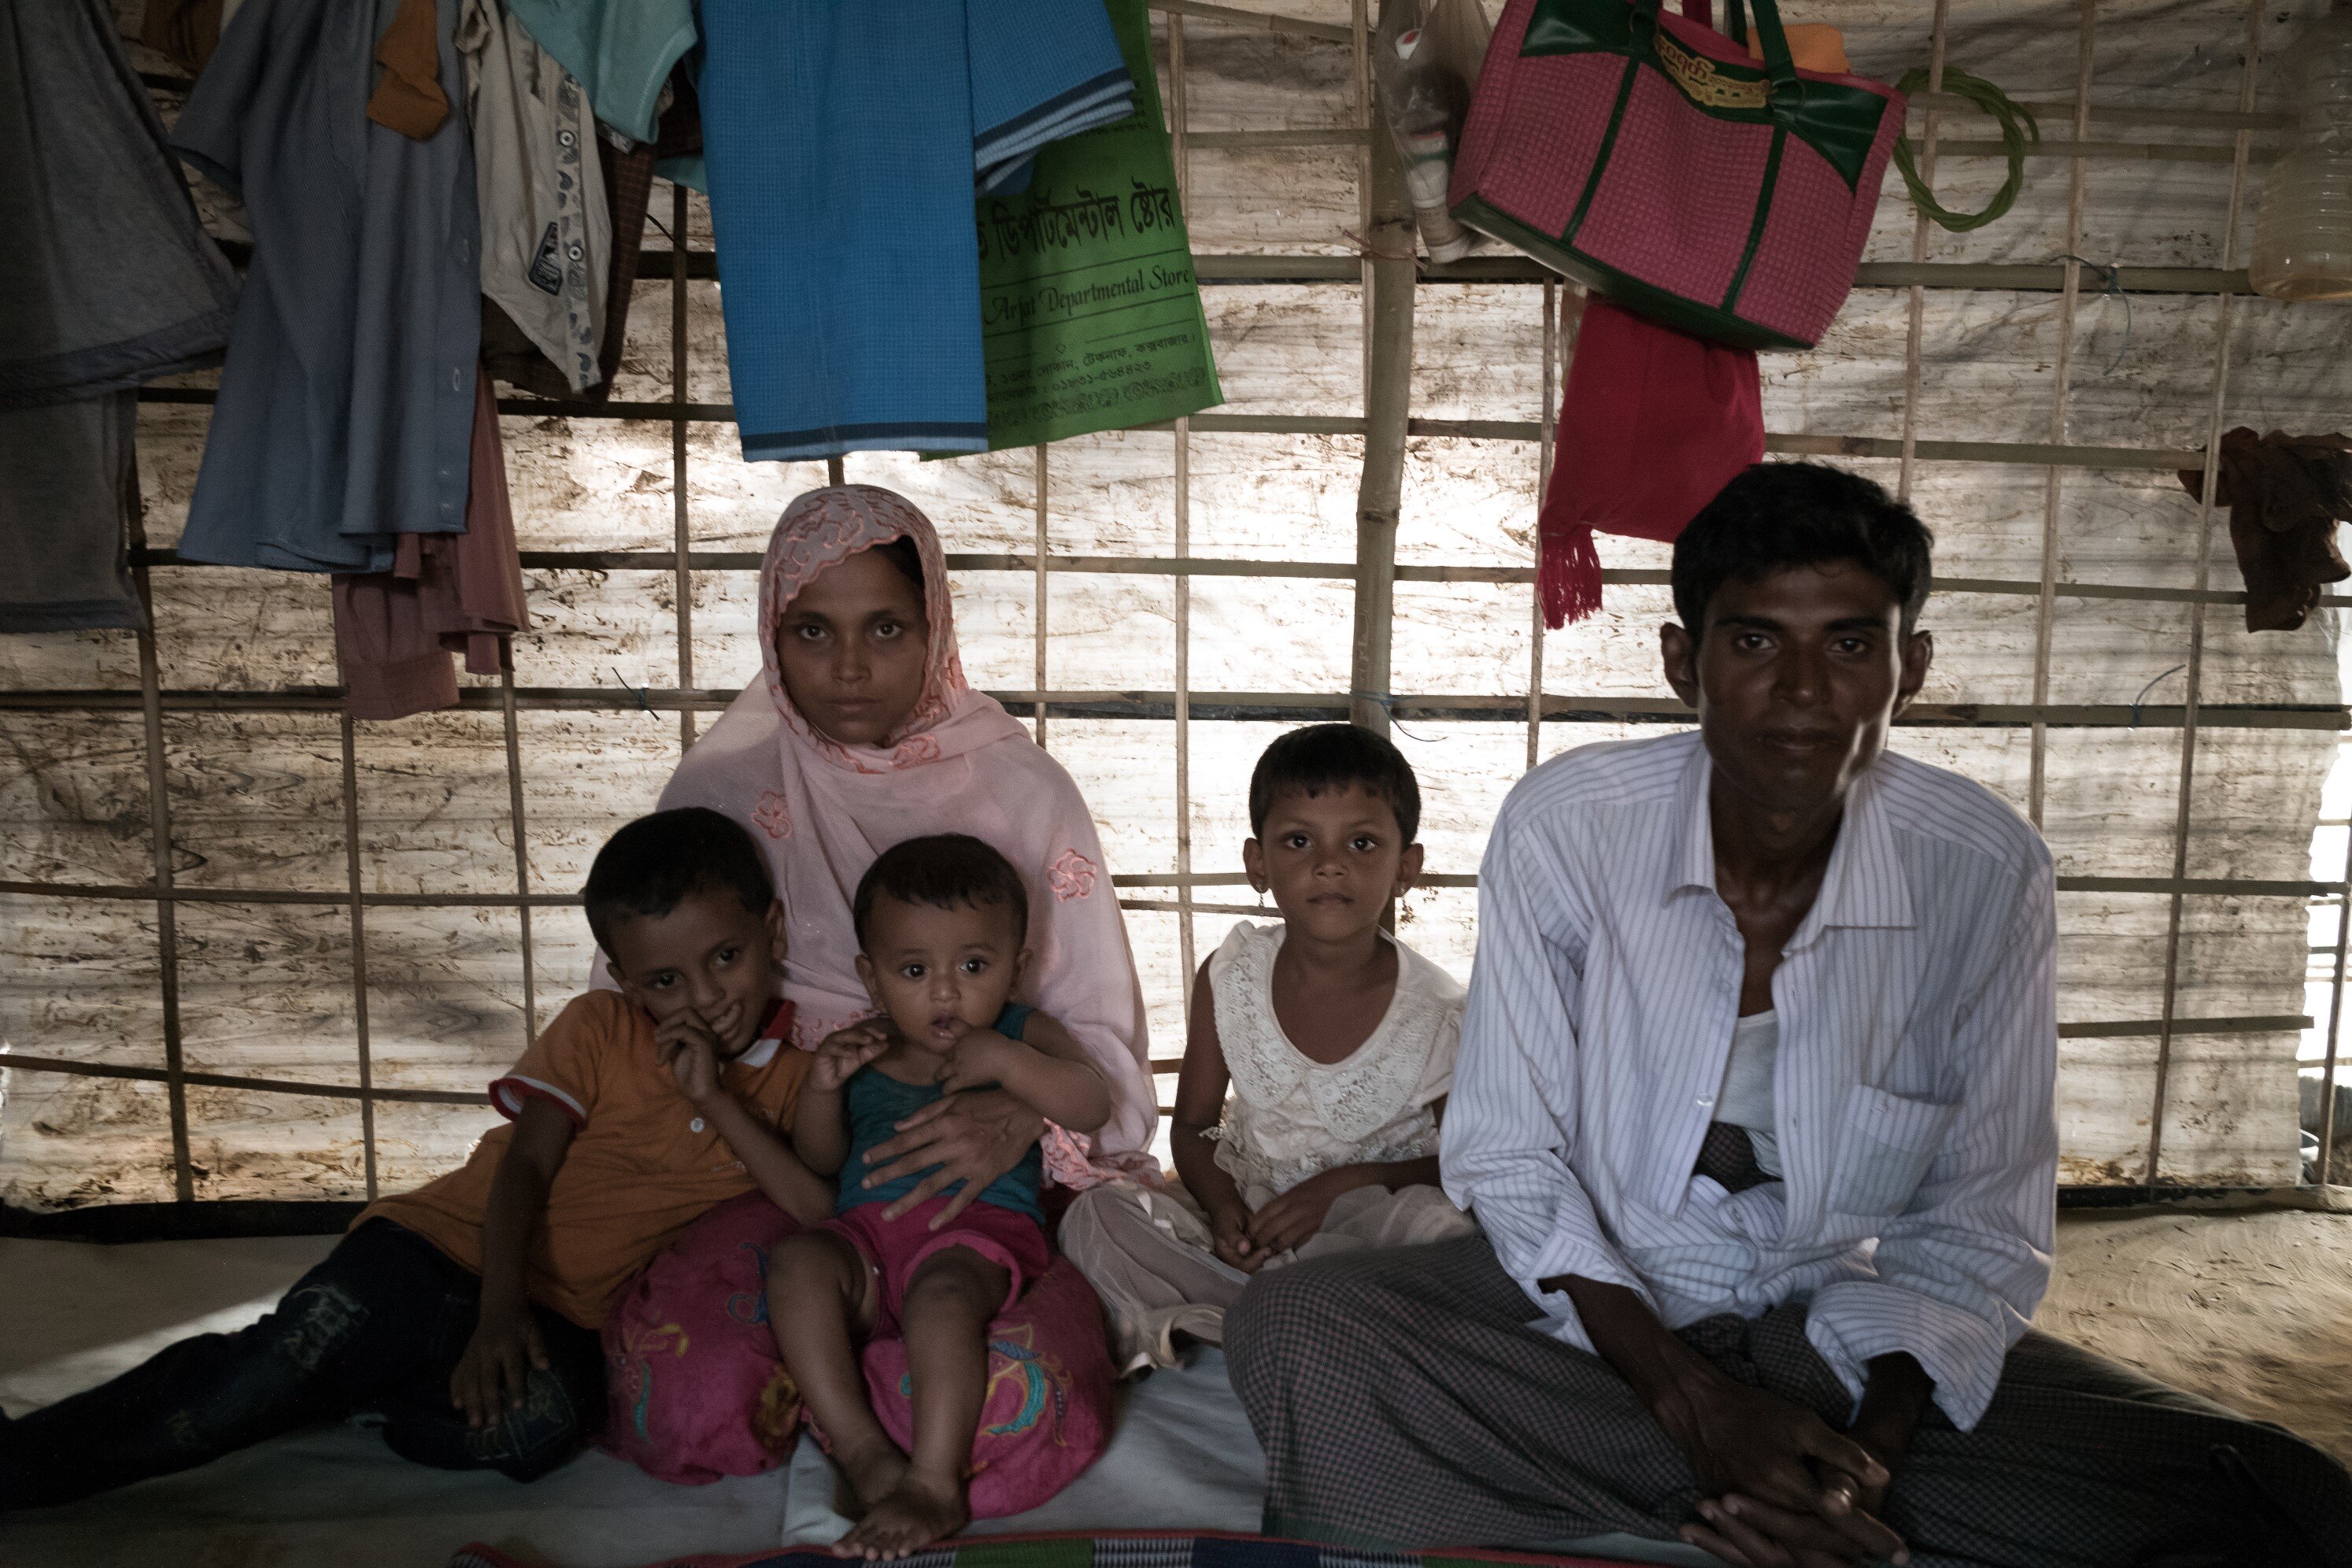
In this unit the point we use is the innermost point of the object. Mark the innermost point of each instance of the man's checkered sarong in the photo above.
(1405, 1403)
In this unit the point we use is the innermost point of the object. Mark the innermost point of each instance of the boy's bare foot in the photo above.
(921, 1509)
(874, 1471)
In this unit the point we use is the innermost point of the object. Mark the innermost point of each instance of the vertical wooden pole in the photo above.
(1918, 304)
(683, 570)
(158, 831)
(2187, 789)
(1043, 596)
(516, 826)
(2325, 1173)
(358, 938)
(1388, 395)
(1178, 125)
(1547, 419)
(2046, 607)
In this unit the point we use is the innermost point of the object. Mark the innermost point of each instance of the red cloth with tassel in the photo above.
(1653, 423)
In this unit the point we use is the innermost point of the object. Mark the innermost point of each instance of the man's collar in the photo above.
(1864, 884)
(1693, 865)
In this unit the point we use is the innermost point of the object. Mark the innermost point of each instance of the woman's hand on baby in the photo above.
(973, 1137)
(1294, 1216)
(494, 1374)
(846, 1050)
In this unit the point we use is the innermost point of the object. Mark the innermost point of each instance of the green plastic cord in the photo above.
(2018, 132)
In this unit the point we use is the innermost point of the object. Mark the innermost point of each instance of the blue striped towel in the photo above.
(1024, 97)
(844, 144)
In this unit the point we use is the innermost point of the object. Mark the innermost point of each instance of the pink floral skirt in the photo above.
(697, 1390)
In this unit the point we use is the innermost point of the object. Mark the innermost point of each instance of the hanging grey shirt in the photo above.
(346, 407)
(107, 280)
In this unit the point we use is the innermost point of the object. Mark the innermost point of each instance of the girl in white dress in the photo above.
(1336, 1042)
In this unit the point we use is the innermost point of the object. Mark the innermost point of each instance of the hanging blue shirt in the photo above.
(619, 51)
(876, 1103)
(841, 144)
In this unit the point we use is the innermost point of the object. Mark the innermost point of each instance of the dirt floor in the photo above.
(2252, 1310)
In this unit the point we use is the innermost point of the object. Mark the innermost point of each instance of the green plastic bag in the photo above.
(1090, 316)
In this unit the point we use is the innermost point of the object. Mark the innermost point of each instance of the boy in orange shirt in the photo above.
(466, 1311)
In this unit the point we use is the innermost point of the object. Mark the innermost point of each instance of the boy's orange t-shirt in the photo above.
(643, 1163)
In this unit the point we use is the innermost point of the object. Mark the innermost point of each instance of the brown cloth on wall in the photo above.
(409, 98)
(2285, 495)
(183, 31)
(446, 593)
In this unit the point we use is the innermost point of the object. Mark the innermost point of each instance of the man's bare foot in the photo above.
(874, 1471)
(921, 1509)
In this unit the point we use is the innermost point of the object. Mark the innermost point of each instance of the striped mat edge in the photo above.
(1096, 1549)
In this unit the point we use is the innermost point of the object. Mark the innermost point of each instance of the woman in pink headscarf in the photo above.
(862, 732)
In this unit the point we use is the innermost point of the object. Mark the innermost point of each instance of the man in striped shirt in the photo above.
(1755, 1107)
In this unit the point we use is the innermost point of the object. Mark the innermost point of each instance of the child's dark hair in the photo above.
(1333, 756)
(1778, 515)
(903, 553)
(652, 863)
(944, 870)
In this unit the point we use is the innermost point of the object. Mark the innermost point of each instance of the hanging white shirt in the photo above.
(547, 238)
(1914, 1080)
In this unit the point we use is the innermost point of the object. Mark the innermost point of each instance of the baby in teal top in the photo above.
(877, 1103)
(943, 926)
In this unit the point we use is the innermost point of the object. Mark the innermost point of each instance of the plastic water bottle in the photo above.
(2303, 233)
(1425, 105)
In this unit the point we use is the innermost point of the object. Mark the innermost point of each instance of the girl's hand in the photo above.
(690, 1048)
(844, 1051)
(1229, 1229)
(494, 1374)
(974, 1137)
(1291, 1220)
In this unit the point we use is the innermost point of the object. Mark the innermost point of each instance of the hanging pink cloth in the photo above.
(1653, 423)
(446, 593)
(961, 765)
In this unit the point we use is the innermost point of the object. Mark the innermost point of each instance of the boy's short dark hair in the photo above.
(1778, 515)
(652, 863)
(945, 871)
(1333, 756)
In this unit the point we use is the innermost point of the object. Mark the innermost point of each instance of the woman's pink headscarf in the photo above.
(960, 764)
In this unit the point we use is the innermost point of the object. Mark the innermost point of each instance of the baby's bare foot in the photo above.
(874, 1471)
(919, 1511)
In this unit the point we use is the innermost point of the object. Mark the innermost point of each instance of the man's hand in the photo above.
(1762, 1463)
(1229, 1230)
(974, 1137)
(1895, 1393)
(1292, 1218)
(689, 1045)
(844, 1051)
(1753, 1534)
(494, 1374)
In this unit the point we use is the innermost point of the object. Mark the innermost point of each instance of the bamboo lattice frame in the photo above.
(1386, 427)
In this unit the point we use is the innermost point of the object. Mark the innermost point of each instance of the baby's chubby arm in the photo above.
(691, 1050)
(1046, 1069)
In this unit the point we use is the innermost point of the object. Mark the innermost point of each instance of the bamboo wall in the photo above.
(360, 924)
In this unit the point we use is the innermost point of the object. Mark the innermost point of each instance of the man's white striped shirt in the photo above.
(1913, 1092)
